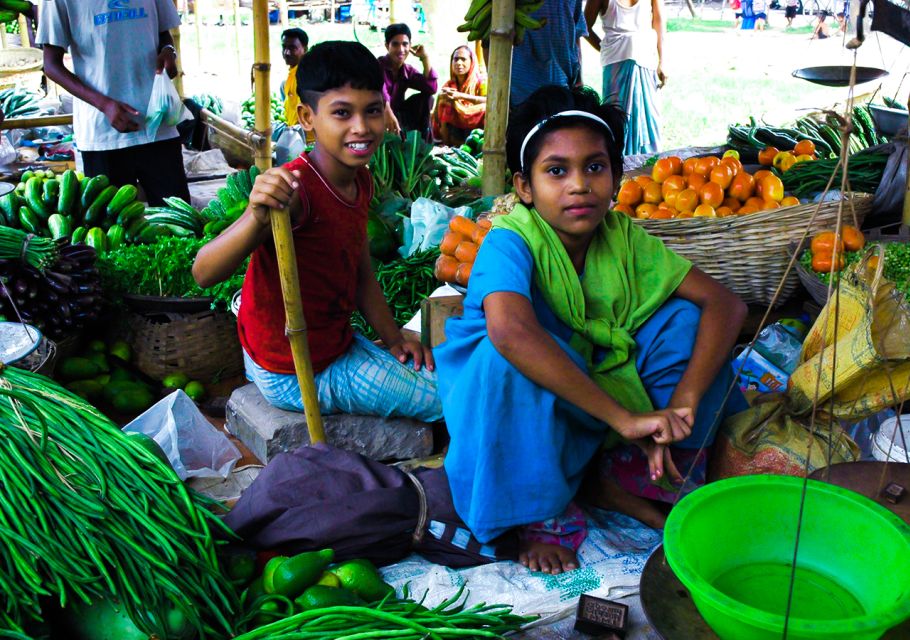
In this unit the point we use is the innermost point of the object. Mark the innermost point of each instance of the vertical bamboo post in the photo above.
(281, 231)
(235, 4)
(332, 11)
(3, 36)
(24, 33)
(393, 14)
(502, 35)
(283, 13)
(178, 80)
(906, 217)
(197, 8)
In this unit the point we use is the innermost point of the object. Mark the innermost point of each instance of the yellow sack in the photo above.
(871, 368)
(766, 438)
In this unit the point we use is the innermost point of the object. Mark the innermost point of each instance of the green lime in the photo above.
(195, 390)
(97, 346)
(268, 573)
(329, 580)
(176, 381)
(122, 350)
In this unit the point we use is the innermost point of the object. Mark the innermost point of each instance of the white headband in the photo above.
(562, 114)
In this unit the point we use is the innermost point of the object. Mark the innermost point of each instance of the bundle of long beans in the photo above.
(403, 619)
(863, 175)
(88, 512)
(33, 250)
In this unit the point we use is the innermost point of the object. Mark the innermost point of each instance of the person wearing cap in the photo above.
(413, 113)
(117, 47)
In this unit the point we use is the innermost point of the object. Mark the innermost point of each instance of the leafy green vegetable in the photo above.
(163, 269)
(897, 265)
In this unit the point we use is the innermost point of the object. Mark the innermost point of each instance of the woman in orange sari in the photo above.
(462, 103)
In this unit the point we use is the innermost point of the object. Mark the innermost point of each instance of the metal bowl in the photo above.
(838, 76)
(888, 121)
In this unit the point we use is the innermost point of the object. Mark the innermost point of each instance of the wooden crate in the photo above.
(433, 315)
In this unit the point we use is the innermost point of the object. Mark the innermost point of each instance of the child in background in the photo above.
(327, 191)
(578, 328)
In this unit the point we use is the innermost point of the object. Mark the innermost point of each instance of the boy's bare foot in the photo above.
(547, 558)
(610, 496)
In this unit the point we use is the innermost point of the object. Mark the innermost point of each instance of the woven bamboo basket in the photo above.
(749, 254)
(202, 345)
(21, 67)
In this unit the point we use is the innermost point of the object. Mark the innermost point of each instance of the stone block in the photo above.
(268, 431)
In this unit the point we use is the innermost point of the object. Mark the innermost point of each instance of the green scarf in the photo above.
(628, 275)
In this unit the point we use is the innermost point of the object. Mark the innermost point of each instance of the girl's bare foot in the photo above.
(608, 495)
(547, 558)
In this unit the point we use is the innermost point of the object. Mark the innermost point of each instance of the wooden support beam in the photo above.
(37, 121)
(500, 82)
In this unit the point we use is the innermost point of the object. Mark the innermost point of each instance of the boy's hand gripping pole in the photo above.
(295, 323)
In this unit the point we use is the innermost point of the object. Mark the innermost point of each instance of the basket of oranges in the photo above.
(732, 224)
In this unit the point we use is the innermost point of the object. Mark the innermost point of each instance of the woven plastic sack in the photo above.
(165, 106)
(871, 369)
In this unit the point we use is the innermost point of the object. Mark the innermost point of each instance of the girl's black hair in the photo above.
(547, 102)
(397, 29)
(335, 64)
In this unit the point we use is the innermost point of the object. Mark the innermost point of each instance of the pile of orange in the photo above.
(706, 187)
(458, 249)
(783, 161)
(828, 249)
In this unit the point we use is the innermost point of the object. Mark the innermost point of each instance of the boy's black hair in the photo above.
(296, 32)
(335, 64)
(547, 102)
(397, 29)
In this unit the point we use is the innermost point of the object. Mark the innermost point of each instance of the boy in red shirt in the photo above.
(327, 191)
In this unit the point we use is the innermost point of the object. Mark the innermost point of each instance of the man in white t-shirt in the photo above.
(117, 46)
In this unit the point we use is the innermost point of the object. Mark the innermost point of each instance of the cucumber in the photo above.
(50, 194)
(130, 212)
(94, 215)
(16, 6)
(29, 220)
(115, 237)
(69, 194)
(124, 196)
(26, 176)
(33, 193)
(93, 188)
(9, 206)
(78, 236)
(59, 226)
(96, 239)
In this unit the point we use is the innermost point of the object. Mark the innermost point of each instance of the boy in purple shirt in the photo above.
(413, 113)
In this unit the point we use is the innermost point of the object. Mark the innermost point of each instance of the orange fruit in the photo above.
(630, 193)
(670, 197)
(624, 208)
(662, 170)
(696, 181)
(703, 166)
(731, 203)
(824, 242)
(822, 262)
(755, 202)
(722, 174)
(742, 186)
(643, 181)
(674, 183)
(676, 164)
(689, 166)
(746, 209)
(761, 173)
(704, 211)
(804, 147)
(662, 214)
(652, 193)
(854, 240)
(683, 214)
(770, 204)
(687, 200)
(645, 210)
(766, 155)
(789, 201)
(723, 212)
(772, 188)
(733, 163)
(711, 194)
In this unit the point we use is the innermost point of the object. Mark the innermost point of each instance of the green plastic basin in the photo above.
(731, 543)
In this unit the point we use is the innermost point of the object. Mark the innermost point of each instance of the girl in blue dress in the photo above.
(579, 329)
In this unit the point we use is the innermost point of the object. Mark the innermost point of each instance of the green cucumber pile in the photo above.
(456, 168)
(70, 206)
(18, 103)
(209, 102)
(88, 513)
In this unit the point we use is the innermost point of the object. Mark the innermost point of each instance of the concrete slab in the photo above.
(268, 431)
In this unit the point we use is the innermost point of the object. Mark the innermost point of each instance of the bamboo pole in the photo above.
(283, 13)
(178, 79)
(236, 7)
(38, 121)
(393, 14)
(24, 32)
(3, 36)
(197, 8)
(281, 232)
(906, 217)
(502, 35)
(252, 140)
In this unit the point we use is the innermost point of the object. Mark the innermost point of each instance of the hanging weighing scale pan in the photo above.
(838, 76)
(6, 187)
(17, 340)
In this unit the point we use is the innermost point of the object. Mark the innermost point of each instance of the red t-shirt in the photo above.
(329, 242)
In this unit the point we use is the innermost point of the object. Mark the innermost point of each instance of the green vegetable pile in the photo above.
(18, 103)
(406, 283)
(89, 512)
(402, 167)
(209, 102)
(402, 619)
(163, 269)
(863, 175)
(896, 269)
(248, 111)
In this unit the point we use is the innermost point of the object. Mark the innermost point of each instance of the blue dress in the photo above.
(518, 453)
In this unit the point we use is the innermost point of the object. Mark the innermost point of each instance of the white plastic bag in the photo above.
(427, 225)
(193, 446)
(165, 106)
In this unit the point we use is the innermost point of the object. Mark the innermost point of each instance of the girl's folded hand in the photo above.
(662, 427)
